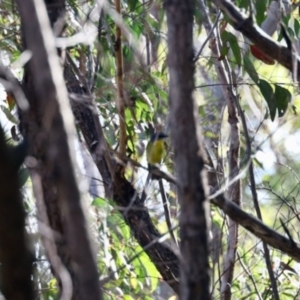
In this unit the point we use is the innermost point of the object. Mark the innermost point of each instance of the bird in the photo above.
(156, 149)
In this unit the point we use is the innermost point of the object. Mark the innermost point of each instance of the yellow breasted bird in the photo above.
(156, 149)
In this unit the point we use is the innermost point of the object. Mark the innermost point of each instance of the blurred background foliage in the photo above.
(268, 96)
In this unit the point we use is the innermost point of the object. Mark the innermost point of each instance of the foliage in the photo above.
(268, 96)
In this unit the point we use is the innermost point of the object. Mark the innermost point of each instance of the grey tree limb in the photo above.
(189, 153)
(258, 228)
(55, 131)
(234, 191)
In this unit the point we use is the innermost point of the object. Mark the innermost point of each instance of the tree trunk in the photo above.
(51, 134)
(189, 153)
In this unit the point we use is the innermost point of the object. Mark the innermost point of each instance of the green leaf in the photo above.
(234, 46)
(126, 233)
(296, 27)
(236, 50)
(127, 297)
(137, 29)
(132, 4)
(242, 3)
(282, 97)
(210, 134)
(268, 94)
(8, 114)
(250, 69)
(224, 51)
(133, 282)
(290, 33)
(150, 269)
(100, 202)
(260, 7)
(23, 176)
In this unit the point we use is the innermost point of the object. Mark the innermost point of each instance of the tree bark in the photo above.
(51, 133)
(189, 153)
(15, 258)
(124, 194)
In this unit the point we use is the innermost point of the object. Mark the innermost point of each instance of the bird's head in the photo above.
(158, 136)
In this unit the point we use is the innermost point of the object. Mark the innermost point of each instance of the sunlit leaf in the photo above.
(296, 27)
(100, 202)
(23, 176)
(150, 269)
(9, 114)
(133, 282)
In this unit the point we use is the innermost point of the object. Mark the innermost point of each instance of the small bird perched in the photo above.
(156, 149)
(155, 153)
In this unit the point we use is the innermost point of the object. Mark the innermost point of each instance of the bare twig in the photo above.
(210, 34)
(256, 204)
(224, 74)
(49, 237)
(166, 210)
(15, 87)
(120, 101)
(248, 272)
(259, 229)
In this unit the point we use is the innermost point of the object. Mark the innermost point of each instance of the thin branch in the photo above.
(248, 272)
(234, 191)
(259, 229)
(208, 37)
(97, 63)
(249, 222)
(166, 210)
(256, 205)
(48, 237)
(15, 87)
(147, 38)
(120, 101)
